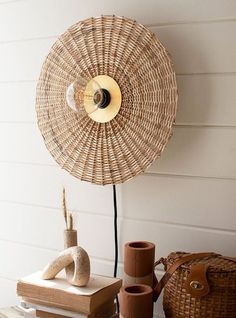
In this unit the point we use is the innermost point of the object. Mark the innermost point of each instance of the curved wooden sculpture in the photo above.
(77, 275)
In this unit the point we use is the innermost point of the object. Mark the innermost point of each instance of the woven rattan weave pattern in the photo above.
(219, 303)
(115, 151)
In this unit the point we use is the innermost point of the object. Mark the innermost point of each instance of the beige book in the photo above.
(60, 294)
(104, 311)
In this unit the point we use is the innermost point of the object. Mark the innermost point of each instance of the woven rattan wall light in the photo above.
(106, 99)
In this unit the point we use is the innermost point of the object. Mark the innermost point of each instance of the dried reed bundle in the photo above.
(64, 205)
(69, 221)
(68, 217)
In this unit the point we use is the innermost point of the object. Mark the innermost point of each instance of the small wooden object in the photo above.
(136, 301)
(139, 263)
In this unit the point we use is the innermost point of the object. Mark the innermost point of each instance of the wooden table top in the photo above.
(11, 312)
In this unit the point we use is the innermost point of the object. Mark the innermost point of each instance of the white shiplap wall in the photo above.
(186, 201)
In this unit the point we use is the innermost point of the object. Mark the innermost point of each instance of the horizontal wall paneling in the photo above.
(59, 14)
(193, 151)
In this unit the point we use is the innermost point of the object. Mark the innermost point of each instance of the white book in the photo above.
(53, 310)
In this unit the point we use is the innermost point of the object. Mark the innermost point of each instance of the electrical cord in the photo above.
(116, 242)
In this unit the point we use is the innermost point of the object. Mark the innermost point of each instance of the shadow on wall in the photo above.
(191, 112)
(137, 195)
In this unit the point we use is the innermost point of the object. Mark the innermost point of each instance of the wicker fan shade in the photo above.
(116, 150)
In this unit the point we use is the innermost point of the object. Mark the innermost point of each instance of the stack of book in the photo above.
(58, 299)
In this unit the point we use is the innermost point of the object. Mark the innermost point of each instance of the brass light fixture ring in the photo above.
(102, 98)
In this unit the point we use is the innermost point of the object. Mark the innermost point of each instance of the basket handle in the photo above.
(170, 271)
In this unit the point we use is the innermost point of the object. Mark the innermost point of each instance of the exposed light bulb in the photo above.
(80, 93)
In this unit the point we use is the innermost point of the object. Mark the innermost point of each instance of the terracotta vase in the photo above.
(138, 263)
(136, 301)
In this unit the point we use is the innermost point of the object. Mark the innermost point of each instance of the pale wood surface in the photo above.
(11, 312)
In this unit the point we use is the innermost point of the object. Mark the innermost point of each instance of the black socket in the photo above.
(102, 98)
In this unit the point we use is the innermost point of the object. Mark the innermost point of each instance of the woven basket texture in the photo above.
(219, 303)
(115, 151)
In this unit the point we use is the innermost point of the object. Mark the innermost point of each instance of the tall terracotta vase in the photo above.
(136, 301)
(138, 263)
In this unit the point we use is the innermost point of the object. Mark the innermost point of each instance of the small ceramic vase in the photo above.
(70, 238)
(136, 301)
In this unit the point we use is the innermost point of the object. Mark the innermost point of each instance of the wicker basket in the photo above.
(198, 286)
